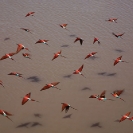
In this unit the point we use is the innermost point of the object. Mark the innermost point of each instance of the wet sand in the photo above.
(85, 19)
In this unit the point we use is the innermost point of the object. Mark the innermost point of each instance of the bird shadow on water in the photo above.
(97, 124)
(67, 76)
(119, 50)
(72, 35)
(117, 121)
(34, 79)
(7, 38)
(67, 116)
(38, 115)
(65, 45)
(85, 88)
(107, 74)
(93, 58)
(29, 124)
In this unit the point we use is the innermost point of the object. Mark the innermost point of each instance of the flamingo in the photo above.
(119, 59)
(42, 41)
(26, 30)
(131, 119)
(57, 54)
(117, 94)
(1, 83)
(112, 20)
(16, 74)
(26, 98)
(8, 56)
(5, 113)
(53, 85)
(63, 26)
(30, 14)
(118, 35)
(101, 97)
(78, 71)
(66, 107)
(125, 116)
(26, 55)
(96, 40)
(79, 39)
(21, 47)
(90, 55)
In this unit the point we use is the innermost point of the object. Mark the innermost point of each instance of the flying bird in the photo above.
(112, 20)
(117, 94)
(27, 98)
(63, 26)
(21, 47)
(79, 39)
(26, 55)
(78, 71)
(30, 14)
(118, 35)
(119, 59)
(96, 40)
(125, 116)
(1, 83)
(42, 41)
(100, 97)
(90, 55)
(57, 55)
(66, 107)
(5, 113)
(16, 74)
(50, 85)
(26, 30)
(9, 55)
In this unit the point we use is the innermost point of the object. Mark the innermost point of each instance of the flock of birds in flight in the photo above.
(65, 106)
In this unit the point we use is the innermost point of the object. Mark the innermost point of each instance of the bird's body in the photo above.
(27, 30)
(117, 94)
(79, 39)
(90, 55)
(9, 55)
(5, 113)
(21, 47)
(53, 85)
(16, 74)
(125, 116)
(30, 14)
(57, 55)
(27, 98)
(96, 40)
(1, 83)
(63, 26)
(78, 71)
(26, 55)
(112, 20)
(42, 41)
(66, 107)
(118, 35)
(119, 59)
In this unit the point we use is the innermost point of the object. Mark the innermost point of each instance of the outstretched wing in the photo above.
(80, 69)
(103, 94)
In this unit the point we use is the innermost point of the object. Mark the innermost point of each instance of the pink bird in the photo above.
(51, 85)
(42, 41)
(112, 20)
(117, 60)
(8, 56)
(30, 14)
(78, 71)
(21, 47)
(26, 55)
(16, 74)
(101, 97)
(5, 113)
(57, 55)
(118, 35)
(117, 94)
(125, 116)
(27, 98)
(1, 83)
(63, 26)
(66, 107)
(96, 40)
(90, 55)
(26, 30)
(79, 39)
